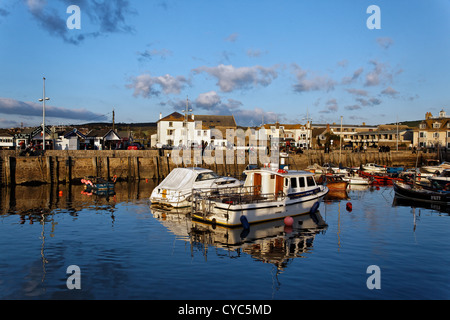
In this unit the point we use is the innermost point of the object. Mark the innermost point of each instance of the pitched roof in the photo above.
(207, 120)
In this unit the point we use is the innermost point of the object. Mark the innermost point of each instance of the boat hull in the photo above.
(407, 191)
(229, 215)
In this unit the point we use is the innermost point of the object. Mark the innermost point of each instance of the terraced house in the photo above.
(433, 132)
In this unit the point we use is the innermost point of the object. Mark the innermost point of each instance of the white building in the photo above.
(293, 134)
(182, 131)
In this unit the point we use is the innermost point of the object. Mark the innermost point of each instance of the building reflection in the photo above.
(31, 202)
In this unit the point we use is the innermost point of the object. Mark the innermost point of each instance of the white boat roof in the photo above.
(284, 173)
(181, 178)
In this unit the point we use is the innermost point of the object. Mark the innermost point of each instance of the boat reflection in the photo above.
(271, 242)
(401, 202)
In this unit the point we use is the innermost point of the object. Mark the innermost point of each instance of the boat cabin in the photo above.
(279, 182)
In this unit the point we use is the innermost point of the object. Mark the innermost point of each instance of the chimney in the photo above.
(160, 116)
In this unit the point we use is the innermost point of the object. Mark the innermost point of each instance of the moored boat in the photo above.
(433, 168)
(99, 185)
(443, 179)
(418, 193)
(333, 182)
(267, 194)
(356, 180)
(176, 189)
(373, 167)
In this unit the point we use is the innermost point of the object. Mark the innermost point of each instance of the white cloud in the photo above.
(11, 106)
(390, 92)
(232, 37)
(230, 78)
(145, 85)
(385, 42)
(381, 74)
(315, 83)
(354, 77)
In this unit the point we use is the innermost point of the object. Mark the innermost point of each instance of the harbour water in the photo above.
(126, 250)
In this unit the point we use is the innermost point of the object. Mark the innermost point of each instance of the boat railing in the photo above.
(203, 198)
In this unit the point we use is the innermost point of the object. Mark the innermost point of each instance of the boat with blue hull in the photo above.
(267, 194)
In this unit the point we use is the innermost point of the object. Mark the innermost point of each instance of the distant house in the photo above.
(180, 130)
(34, 136)
(70, 139)
(102, 139)
(288, 134)
(433, 132)
(6, 140)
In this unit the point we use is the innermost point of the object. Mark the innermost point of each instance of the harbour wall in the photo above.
(65, 166)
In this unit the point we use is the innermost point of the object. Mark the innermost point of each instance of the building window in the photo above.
(436, 125)
(422, 134)
(170, 124)
(422, 126)
(169, 132)
(436, 135)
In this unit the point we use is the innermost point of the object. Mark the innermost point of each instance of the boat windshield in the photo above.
(207, 176)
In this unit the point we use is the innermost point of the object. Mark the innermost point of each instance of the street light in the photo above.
(44, 98)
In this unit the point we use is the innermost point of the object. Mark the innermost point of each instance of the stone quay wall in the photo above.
(128, 165)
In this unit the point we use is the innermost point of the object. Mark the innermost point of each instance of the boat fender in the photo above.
(244, 222)
(314, 217)
(244, 233)
(314, 207)
(282, 171)
(348, 206)
(114, 179)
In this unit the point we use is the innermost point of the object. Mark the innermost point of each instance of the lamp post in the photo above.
(44, 98)
(340, 142)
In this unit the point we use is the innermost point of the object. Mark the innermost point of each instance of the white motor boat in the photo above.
(432, 169)
(356, 180)
(373, 167)
(443, 179)
(176, 189)
(267, 194)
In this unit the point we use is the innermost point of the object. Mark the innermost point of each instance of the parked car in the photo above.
(135, 146)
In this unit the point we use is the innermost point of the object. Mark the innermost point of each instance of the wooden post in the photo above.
(136, 168)
(8, 171)
(68, 169)
(48, 161)
(106, 162)
(94, 166)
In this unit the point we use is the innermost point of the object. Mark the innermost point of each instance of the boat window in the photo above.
(286, 182)
(310, 181)
(302, 182)
(206, 176)
(293, 182)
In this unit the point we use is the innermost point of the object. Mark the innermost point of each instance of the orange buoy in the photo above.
(60, 193)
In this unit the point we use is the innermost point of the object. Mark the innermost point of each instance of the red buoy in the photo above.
(349, 206)
(288, 221)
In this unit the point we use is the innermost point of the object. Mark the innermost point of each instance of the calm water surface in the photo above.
(127, 251)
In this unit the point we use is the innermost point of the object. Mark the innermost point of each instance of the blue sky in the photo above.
(258, 60)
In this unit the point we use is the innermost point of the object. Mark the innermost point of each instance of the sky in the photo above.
(261, 61)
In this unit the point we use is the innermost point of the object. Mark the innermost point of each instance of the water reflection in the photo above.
(401, 202)
(272, 242)
(31, 202)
